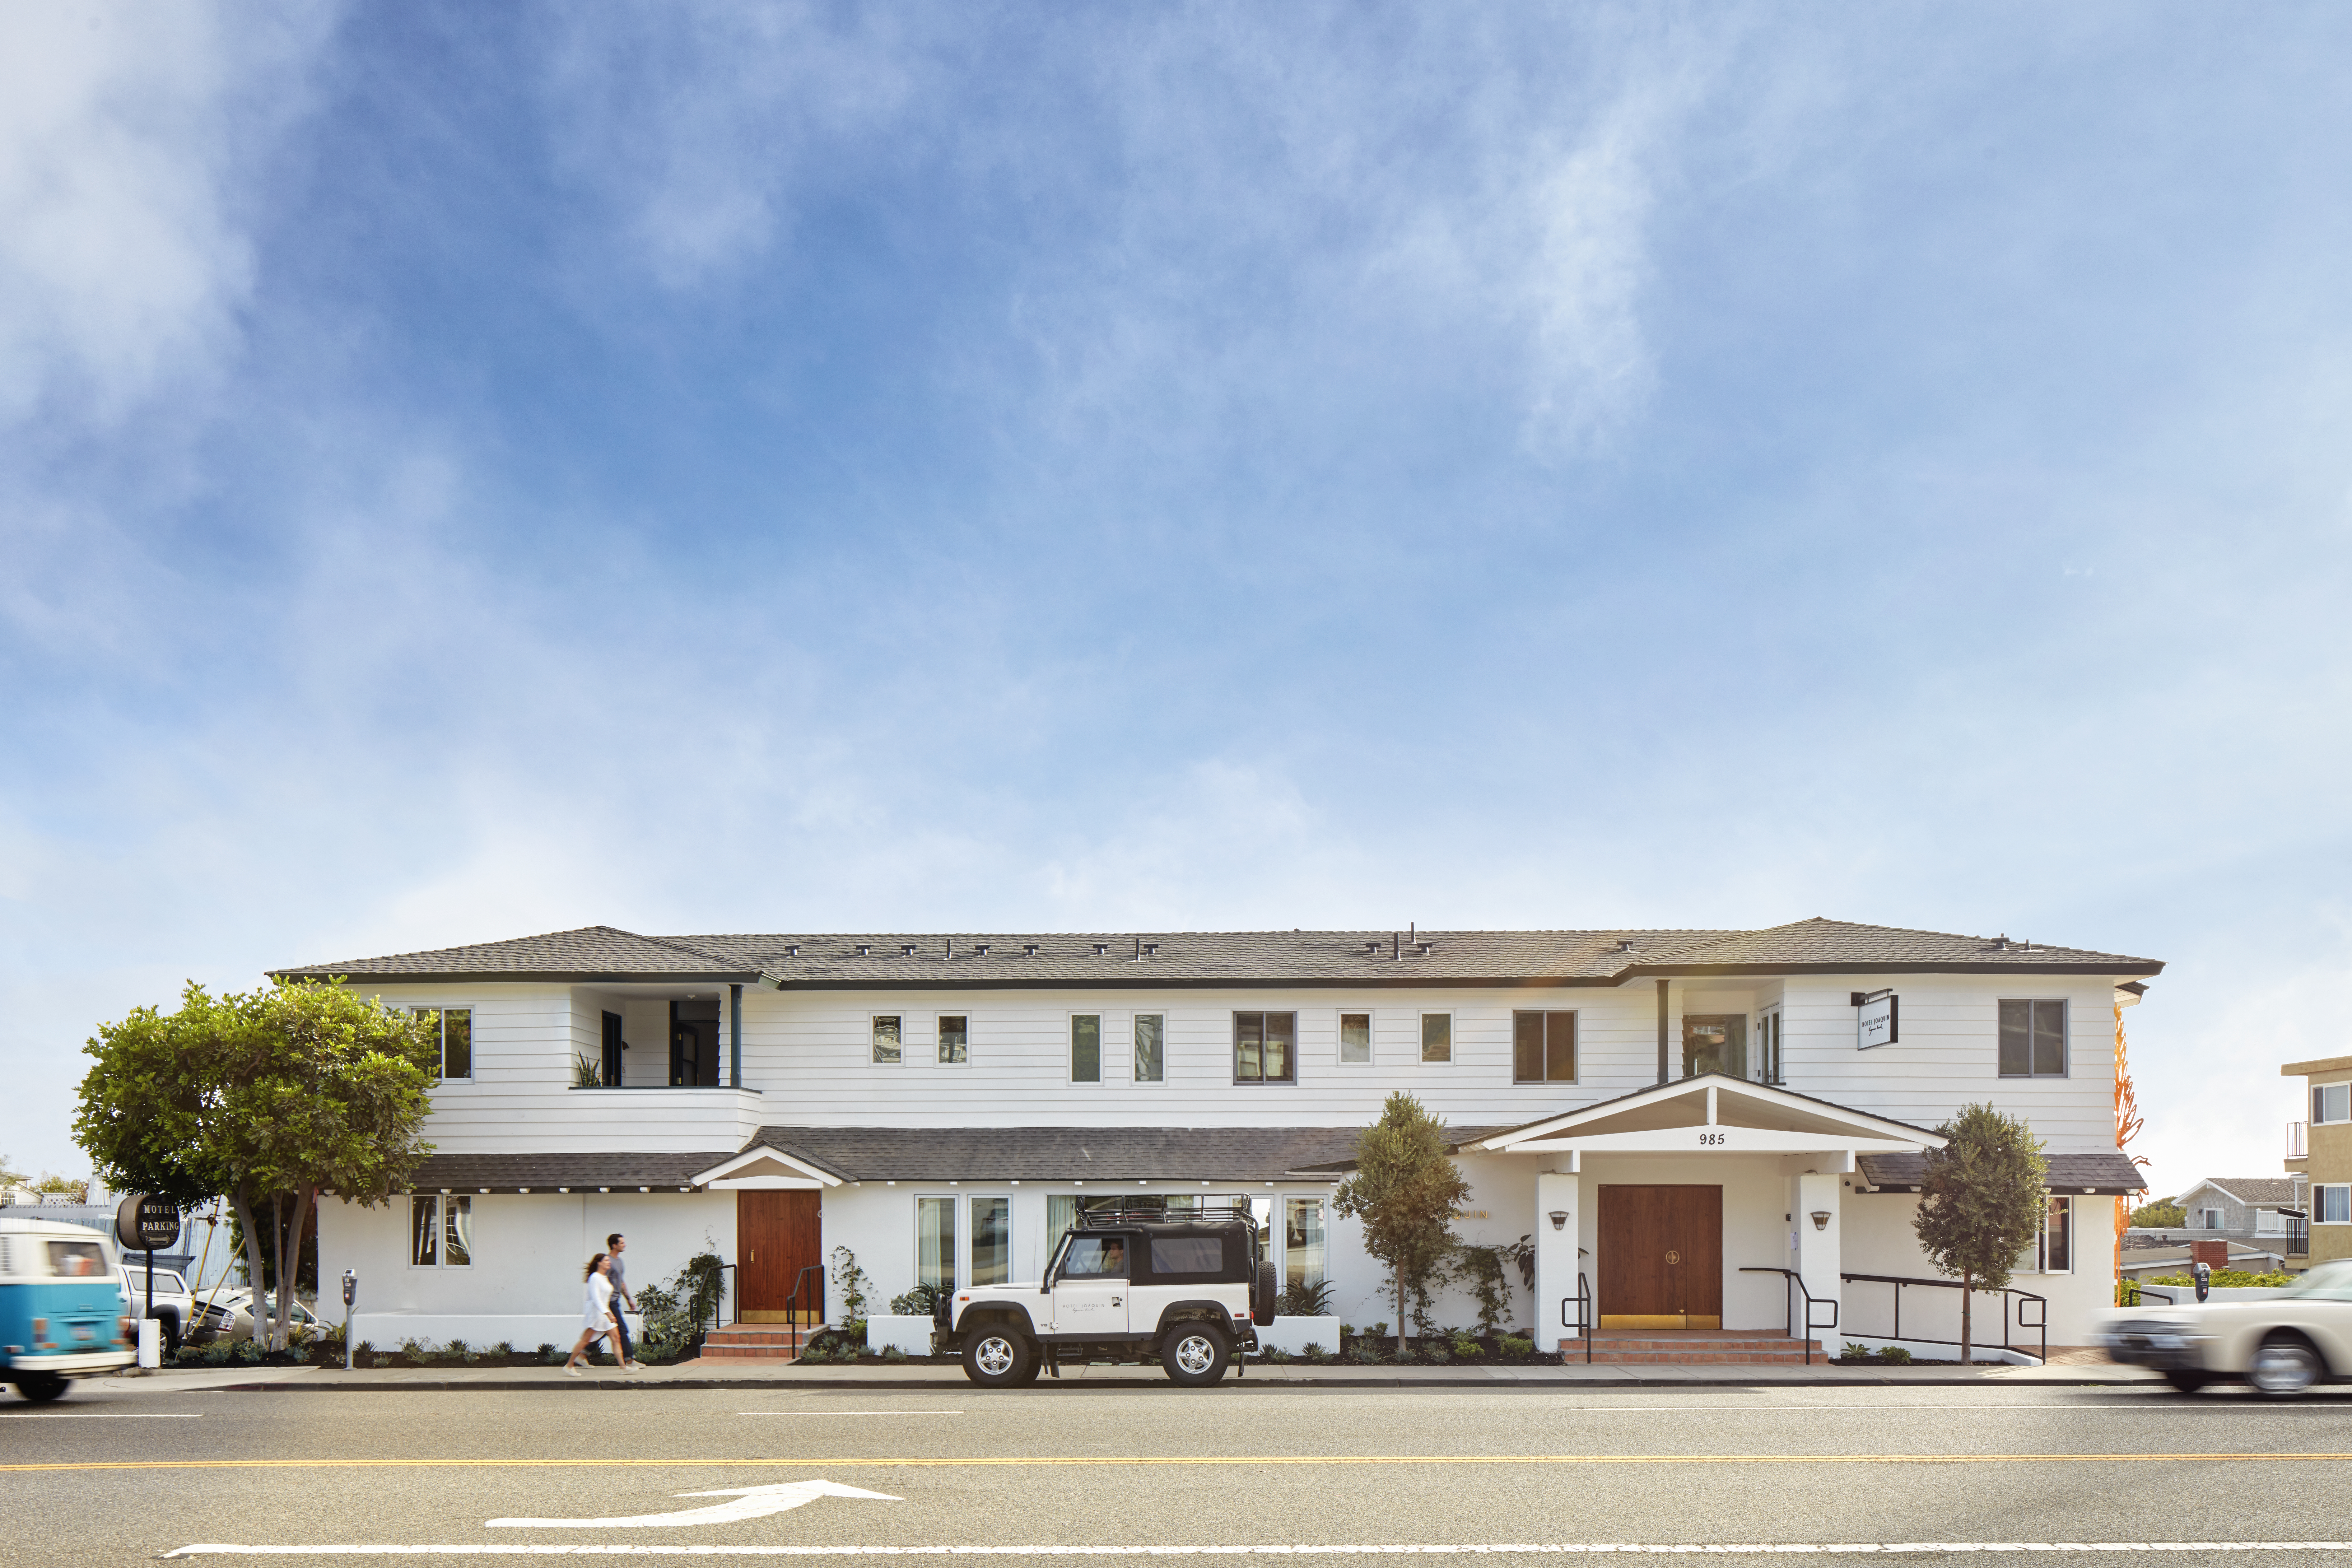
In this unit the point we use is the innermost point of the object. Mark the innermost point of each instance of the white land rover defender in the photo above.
(1185, 1289)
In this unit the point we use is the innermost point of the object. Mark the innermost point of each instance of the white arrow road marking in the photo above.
(751, 1502)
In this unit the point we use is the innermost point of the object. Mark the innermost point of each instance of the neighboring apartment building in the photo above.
(2319, 1153)
(2241, 1208)
(1686, 1122)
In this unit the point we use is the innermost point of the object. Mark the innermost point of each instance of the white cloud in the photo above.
(123, 256)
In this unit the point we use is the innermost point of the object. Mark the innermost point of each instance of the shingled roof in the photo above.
(2108, 1170)
(1072, 1153)
(941, 961)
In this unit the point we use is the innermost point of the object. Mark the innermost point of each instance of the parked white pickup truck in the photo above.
(1186, 1289)
(172, 1307)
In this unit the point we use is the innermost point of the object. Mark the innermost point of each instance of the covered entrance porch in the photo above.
(1710, 1209)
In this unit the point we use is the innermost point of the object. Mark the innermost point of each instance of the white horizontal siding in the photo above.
(810, 1053)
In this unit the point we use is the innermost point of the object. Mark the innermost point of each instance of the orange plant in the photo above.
(2128, 1125)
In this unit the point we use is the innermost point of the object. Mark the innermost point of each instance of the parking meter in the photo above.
(2204, 1279)
(350, 1294)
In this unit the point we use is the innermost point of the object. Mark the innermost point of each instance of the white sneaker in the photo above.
(573, 1371)
(634, 1366)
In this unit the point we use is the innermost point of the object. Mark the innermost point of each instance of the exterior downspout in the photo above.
(734, 1036)
(1662, 983)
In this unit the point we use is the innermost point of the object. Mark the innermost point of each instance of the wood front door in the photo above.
(778, 1236)
(1661, 1258)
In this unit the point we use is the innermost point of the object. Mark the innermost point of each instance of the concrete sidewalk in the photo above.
(950, 1375)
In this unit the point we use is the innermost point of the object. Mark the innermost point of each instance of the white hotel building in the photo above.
(1698, 1129)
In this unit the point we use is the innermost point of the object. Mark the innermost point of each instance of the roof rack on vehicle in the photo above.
(1104, 1219)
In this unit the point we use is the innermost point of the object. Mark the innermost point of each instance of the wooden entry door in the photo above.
(778, 1236)
(1661, 1258)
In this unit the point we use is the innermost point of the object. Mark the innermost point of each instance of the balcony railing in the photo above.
(2298, 1139)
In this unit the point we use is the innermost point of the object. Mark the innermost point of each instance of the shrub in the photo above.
(1515, 1344)
(2227, 1279)
(1895, 1355)
(852, 1284)
(418, 1351)
(1852, 1351)
(1275, 1356)
(1466, 1347)
(382, 1361)
(1366, 1355)
(502, 1350)
(1316, 1353)
(1302, 1300)
(458, 1349)
(362, 1351)
(894, 1354)
(249, 1351)
(920, 1302)
(548, 1352)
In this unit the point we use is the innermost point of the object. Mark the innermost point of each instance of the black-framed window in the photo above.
(440, 1232)
(1543, 1047)
(609, 1073)
(1086, 1048)
(1266, 1047)
(2032, 1039)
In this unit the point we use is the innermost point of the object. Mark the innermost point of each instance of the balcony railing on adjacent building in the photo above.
(2298, 1139)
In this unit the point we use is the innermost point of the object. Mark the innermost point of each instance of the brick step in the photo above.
(758, 1341)
(1695, 1358)
(1673, 1343)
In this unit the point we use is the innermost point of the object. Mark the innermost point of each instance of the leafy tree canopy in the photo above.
(1982, 1202)
(2164, 1214)
(1406, 1190)
(269, 1098)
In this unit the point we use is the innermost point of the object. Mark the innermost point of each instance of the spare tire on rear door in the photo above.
(1263, 1299)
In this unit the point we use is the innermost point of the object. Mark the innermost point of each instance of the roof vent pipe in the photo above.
(2001, 944)
(1028, 950)
(1624, 944)
(865, 949)
(906, 949)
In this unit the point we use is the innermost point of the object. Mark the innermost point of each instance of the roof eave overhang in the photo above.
(1865, 1131)
(765, 1151)
(2128, 966)
(527, 977)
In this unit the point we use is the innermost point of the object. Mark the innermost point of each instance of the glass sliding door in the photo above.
(1305, 1258)
(935, 1243)
(992, 1240)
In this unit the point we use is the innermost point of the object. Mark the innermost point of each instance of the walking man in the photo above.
(615, 1244)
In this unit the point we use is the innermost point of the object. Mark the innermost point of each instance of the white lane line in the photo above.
(849, 1413)
(112, 1416)
(1411, 1549)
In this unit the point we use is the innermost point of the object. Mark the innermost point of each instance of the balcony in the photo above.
(2298, 1139)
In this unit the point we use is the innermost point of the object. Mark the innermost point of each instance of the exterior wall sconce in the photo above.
(1559, 1219)
(1821, 1219)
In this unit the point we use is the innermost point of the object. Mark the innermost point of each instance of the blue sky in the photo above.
(466, 472)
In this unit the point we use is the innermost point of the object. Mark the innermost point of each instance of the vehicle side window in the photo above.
(76, 1260)
(1197, 1254)
(1095, 1257)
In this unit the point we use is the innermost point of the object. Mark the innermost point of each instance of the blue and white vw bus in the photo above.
(62, 1311)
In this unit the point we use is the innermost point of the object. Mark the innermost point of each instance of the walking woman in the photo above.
(596, 1317)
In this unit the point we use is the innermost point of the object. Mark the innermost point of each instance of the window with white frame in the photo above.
(2210, 1219)
(1543, 1047)
(954, 1039)
(935, 1243)
(1767, 1059)
(992, 1240)
(1437, 1036)
(2053, 1251)
(886, 1037)
(1150, 1046)
(1355, 1039)
(453, 1041)
(2033, 1038)
(1305, 1255)
(440, 1232)
(2332, 1204)
(2331, 1103)
(1266, 1047)
(1086, 1048)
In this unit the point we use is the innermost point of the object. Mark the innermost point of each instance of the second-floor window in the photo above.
(1356, 1038)
(1086, 1048)
(1543, 1047)
(2331, 1103)
(1266, 1047)
(886, 1037)
(1150, 1046)
(2032, 1039)
(954, 1039)
(1437, 1036)
(2332, 1204)
(453, 1036)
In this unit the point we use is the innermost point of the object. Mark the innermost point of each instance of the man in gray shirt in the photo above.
(615, 1244)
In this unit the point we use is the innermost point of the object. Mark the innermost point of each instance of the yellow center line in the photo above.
(1223, 1460)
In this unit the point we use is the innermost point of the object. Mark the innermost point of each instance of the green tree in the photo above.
(1982, 1202)
(2163, 1214)
(63, 1186)
(1406, 1191)
(271, 1099)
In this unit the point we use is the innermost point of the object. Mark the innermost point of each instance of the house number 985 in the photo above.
(1704, 1137)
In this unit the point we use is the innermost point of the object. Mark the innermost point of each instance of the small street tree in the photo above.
(1981, 1202)
(1406, 1191)
(272, 1098)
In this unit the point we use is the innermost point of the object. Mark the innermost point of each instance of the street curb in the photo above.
(739, 1384)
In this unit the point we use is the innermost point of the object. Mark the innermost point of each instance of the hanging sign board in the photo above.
(145, 1224)
(1880, 1017)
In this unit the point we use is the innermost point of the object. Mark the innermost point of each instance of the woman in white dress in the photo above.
(596, 1317)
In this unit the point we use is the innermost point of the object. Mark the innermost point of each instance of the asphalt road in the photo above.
(1095, 1474)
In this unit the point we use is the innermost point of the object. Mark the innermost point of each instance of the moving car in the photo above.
(1186, 1289)
(63, 1314)
(2281, 1346)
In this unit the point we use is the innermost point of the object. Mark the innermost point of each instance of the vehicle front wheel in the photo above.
(2285, 1365)
(996, 1357)
(40, 1387)
(2187, 1381)
(1194, 1354)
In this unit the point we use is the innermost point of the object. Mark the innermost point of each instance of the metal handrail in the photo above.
(719, 1303)
(793, 1303)
(1788, 1309)
(1900, 1281)
(1583, 1303)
